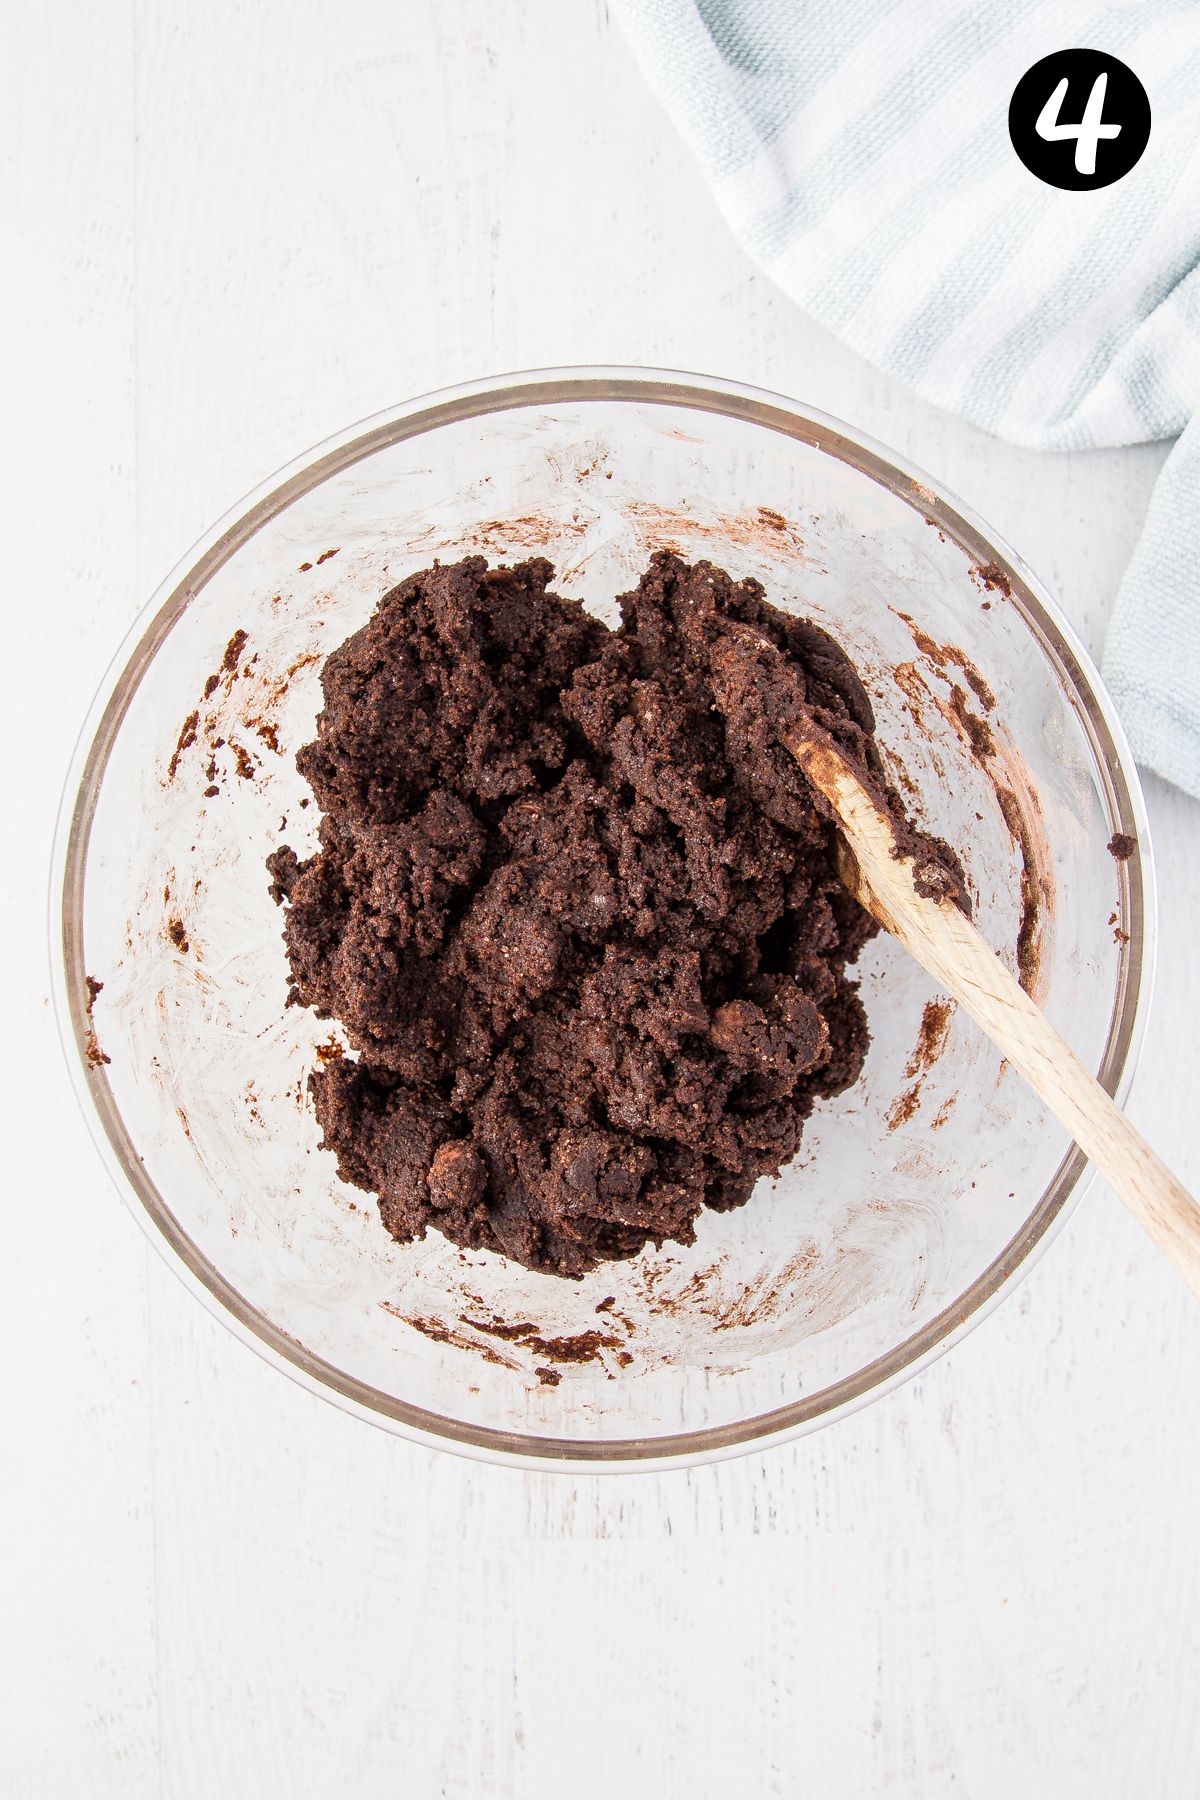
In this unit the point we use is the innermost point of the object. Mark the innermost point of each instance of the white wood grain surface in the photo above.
(233, 227)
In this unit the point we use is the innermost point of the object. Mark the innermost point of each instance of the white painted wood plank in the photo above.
(984, 1585)
(78, 1709)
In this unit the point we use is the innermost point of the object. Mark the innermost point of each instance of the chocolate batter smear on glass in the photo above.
(590, 955)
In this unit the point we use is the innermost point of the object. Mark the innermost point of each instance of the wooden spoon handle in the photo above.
(952, 951)
(950, 948)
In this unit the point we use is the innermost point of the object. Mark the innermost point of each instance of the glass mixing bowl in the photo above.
(918, 1196)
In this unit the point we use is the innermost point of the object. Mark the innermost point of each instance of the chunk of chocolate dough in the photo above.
(587, 942)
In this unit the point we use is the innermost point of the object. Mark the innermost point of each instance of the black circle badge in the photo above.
(1079, 119)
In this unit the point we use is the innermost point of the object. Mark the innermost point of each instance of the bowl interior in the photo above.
(914, 1193)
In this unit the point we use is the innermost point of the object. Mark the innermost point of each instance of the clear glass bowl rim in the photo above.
(1055, 639)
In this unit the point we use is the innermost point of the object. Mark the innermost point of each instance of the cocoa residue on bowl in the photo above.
(1002, 765)
(931, 1041)
(438, 1332)
(946, 656)
(756, 528)
(583, 1346)
(185, 740)
(228, 710)
(995, 579)
(95, 1055)
(473, 1334)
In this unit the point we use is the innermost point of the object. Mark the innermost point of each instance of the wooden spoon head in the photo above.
(849, 873)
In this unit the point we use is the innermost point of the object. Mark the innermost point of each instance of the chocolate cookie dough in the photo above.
(590, 956)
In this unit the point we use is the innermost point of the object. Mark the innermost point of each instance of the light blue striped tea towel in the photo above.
(860, 150)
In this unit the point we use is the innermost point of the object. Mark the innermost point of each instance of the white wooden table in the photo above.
(237, 227)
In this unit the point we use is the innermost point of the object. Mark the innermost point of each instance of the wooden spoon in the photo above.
(947, 945)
